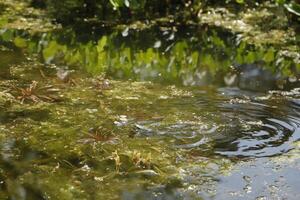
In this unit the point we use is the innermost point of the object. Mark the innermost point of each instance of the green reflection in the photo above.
(196, 56)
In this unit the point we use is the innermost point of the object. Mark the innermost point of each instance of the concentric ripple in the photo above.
(231, 123)
(263, 127)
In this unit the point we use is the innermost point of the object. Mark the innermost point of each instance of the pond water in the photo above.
(156, 113)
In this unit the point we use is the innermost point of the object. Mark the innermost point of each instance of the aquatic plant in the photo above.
(35, 94)
(141, 162)
(115, 156)
(100, 134)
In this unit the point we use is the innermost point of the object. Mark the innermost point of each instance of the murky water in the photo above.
(181, 113)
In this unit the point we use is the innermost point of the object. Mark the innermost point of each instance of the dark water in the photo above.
(189, 112)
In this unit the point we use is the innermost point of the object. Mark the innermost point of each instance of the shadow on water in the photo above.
(9, 57)
(36, 115)
(15, 161)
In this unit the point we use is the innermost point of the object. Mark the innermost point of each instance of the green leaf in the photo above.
(3, 21)
(127, 4)
(101, 44)
(7, 35)
(116, 3)
(269, 56)
(20, 42)
(293, 8)
(52, 49)
(280, 2)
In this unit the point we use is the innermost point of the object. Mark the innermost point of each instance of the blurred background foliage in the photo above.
(171, 49)
(185, 57)
(128, 10)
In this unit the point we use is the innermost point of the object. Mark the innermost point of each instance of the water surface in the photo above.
(161, 113)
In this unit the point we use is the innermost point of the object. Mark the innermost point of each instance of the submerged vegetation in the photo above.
(149, 99)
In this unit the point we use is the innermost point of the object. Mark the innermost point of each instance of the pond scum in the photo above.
(153, 111)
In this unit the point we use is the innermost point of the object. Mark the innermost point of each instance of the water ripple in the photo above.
(232, 124)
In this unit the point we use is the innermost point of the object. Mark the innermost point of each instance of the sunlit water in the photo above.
(212, 133)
